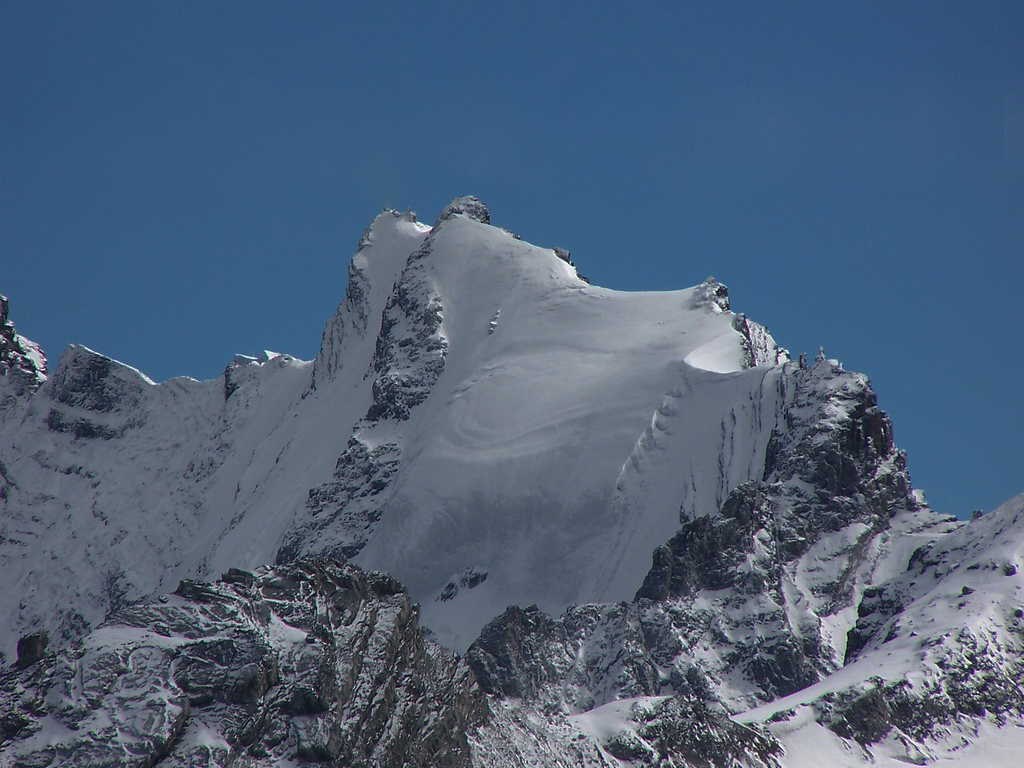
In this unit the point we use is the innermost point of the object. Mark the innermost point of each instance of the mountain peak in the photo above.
(712, 294)
(20, 358)
(468, 206)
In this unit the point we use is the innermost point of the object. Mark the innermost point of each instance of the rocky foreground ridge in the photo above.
(317, 662)
(314, 662)
(731, 569)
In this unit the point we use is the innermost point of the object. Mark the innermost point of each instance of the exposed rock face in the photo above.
(876, 607)
(838, 444)
(708, 552)
(409, 353)
(468, 206)
(94, 396)
(22, 363)
(315, 661)
(358, 315)
(975, 685)
(712, 295)
(408, 357)
(22, 372)
(345, 509)
(595, 655)
(957, 609)
(831, 467)
(31, 648)
(684, 731)
(19, 358)
(758, 345)
(410, 347)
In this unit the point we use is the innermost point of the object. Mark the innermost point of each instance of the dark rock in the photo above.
(759, 348)
(684, 732)
(779, 668)
(867, 718)
(21, 361)
(829, 463)
(509, 659)
(231, 383)
(83, 429)
(94, 382)
(712, 295)
(876, 607)
(237, 576)
(407, 364)
(342, 512)
(973, 682)
(706, 551)
(468, 579)
(467, 206)
(228, 658)
(31, 648)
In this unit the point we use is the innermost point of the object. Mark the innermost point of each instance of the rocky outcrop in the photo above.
(94, 396)
(410, 349)
(877, 606)
(20, 359)
(710, 552)
(468, 206)
(830, 467)
(342, 512)
(359, 314)
(683, 731)
(588, 657)
(594, 656)
(31, 648)
(833, 461)
(22, 363)
(972, 686)
(759, 348)
(319, 662)
(711, 295)
(314, 661)
(956, 611)
(93, 382)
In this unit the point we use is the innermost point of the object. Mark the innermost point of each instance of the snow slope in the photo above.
(941, 665)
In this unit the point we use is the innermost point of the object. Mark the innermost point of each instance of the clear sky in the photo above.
(182, 181)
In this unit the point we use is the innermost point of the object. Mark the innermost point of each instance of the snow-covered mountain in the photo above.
(478, 413)
(651, 534)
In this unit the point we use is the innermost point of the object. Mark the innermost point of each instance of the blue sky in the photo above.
(183, 181)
